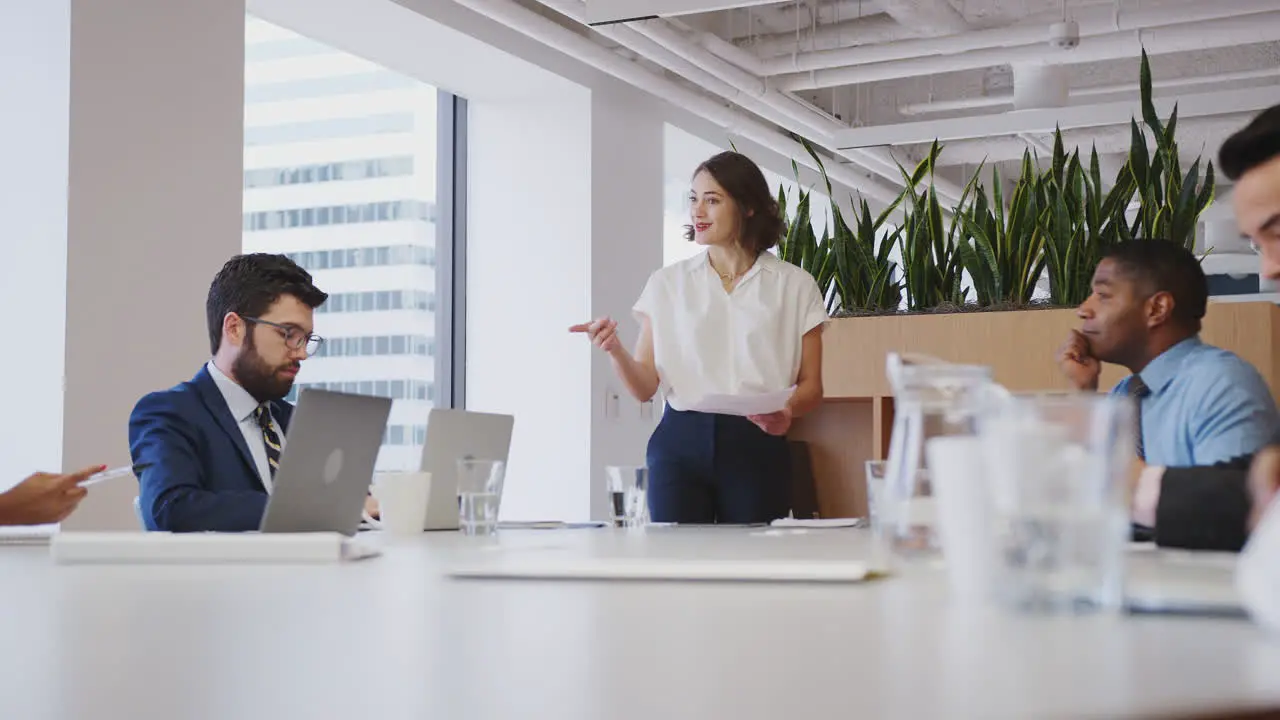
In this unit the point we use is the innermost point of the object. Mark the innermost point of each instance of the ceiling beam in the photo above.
(605, 12)
(1044, 120)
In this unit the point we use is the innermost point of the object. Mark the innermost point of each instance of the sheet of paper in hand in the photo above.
(753, 404)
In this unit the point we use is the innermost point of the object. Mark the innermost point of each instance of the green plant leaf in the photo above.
(1145, 96)
(1139, 159)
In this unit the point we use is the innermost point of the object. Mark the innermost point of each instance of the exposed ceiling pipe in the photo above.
(1095, 22)
(801, 13)
(821, 128)
(797, 14)
(732, 53)
(1199, 138)
(867, 30)
(605, 12)
(1126, 90)
(561, 39)
(734, 84)
(1228, 32)
(928, 17)
(880, 28)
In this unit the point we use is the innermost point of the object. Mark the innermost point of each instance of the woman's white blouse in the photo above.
(709, 341)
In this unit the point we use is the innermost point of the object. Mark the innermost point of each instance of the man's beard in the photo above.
(258, 378)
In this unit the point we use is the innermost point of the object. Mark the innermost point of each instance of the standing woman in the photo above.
(734, 319)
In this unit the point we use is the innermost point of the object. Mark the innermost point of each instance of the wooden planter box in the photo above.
(855, 422)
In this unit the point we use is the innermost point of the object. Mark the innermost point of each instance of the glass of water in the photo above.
(875, 490)
(479, 495)
(1058, 469)
(628, 495)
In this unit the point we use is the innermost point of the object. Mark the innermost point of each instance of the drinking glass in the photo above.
(875, 470)
(931, 401)
(479, 495)
(1058, 468)
(628, 495)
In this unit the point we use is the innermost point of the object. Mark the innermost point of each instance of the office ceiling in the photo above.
(870, 81)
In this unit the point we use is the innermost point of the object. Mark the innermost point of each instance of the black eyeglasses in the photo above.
(294, 338)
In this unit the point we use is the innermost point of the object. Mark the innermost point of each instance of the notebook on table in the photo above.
(125, 548)
(555, 566)
(27, 534)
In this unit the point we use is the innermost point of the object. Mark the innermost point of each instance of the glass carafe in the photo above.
(930, 400)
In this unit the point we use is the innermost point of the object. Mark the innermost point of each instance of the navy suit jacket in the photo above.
(192, 463)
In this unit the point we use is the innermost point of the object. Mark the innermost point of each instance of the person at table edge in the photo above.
(1198, 404)
(733, 319)
(1214, 506)
(44, 498)
(206, 450)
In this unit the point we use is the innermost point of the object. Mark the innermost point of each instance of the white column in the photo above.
(626, 246)
(127, 138)
(35, 69)
(528, 279)
(564, 224)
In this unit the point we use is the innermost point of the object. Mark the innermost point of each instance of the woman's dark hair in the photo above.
(760, 221)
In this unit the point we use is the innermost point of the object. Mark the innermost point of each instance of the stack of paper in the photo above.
(817, 522)
(744, 405)
(161, 547)
(27, 534)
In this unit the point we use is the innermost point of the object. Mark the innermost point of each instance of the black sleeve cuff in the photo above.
(1203, 508)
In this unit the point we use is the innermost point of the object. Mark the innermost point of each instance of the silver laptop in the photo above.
(453, 435)
(329, 455)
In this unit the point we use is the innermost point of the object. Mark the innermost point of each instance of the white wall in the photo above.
(154, 201)
(528, 279)
(35, 68)
(124, 125)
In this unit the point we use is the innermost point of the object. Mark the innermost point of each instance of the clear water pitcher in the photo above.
(931, 400)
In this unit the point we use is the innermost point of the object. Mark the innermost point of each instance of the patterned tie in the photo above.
(1138, 390)
(269, 436)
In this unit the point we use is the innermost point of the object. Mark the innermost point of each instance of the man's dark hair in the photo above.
(1165, 266)
(249, 284)
(1255, 144)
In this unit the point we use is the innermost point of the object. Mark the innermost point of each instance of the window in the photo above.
(382, 256)
(332, 210)
(350, 84)
(376, 345)
(329, 129)
(415, 210)
(405, 389)
(350, 171)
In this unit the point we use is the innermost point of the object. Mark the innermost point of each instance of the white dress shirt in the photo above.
(242, 406)
(707, 340)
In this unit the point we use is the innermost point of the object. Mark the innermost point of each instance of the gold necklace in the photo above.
(729, 278)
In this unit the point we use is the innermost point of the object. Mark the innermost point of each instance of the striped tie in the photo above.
(1138, 390)
(269, 436)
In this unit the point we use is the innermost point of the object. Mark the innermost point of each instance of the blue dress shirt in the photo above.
(1206, 406)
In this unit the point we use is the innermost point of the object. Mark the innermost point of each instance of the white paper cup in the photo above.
(402, 501)
(956, 471)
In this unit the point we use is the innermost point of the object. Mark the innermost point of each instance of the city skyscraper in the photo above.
(340, 174)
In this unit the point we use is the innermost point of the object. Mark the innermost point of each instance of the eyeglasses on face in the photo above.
(294, 337)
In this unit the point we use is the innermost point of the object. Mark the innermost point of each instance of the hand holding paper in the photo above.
(776, 423)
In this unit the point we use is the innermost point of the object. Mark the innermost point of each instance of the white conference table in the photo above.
(394, 637)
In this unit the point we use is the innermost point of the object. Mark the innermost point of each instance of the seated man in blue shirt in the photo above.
(1198, 405)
